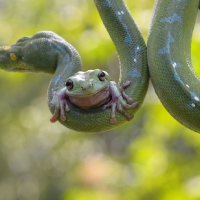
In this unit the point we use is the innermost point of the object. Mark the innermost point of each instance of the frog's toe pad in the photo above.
(113, 120)
(129, 100)
(62, 118)
(53, 119)
(129, 117)
(136, 105)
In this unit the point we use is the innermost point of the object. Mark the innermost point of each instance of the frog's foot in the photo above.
(120, 105)
(128, 99)
(60, 103)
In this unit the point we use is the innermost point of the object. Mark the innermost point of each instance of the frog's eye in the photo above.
(102, 76)
(69, 84)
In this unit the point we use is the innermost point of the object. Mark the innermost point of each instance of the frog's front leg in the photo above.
(60, 103)
(120, 101)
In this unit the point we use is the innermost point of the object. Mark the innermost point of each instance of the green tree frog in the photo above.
(92, 89)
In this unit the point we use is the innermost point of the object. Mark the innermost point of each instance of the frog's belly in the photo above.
(91, 101)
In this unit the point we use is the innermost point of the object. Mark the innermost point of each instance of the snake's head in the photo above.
(12, 59)
(35, 54)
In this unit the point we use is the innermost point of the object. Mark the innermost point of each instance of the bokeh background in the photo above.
(152, 157)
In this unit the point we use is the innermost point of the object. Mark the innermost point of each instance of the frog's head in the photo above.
(87, 83)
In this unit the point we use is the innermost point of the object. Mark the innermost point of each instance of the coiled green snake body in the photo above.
(47, 52)
(171, 71)
(169, 60)
(132, 53)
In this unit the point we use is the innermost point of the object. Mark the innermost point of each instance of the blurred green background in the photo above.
(152, 157)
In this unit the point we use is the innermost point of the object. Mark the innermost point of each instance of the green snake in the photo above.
(169, 60)
(132, 53)
(47, 52)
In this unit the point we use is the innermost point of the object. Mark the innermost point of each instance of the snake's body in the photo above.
(172, 74)
(171, 71)
(47, 52)
(132, 53)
